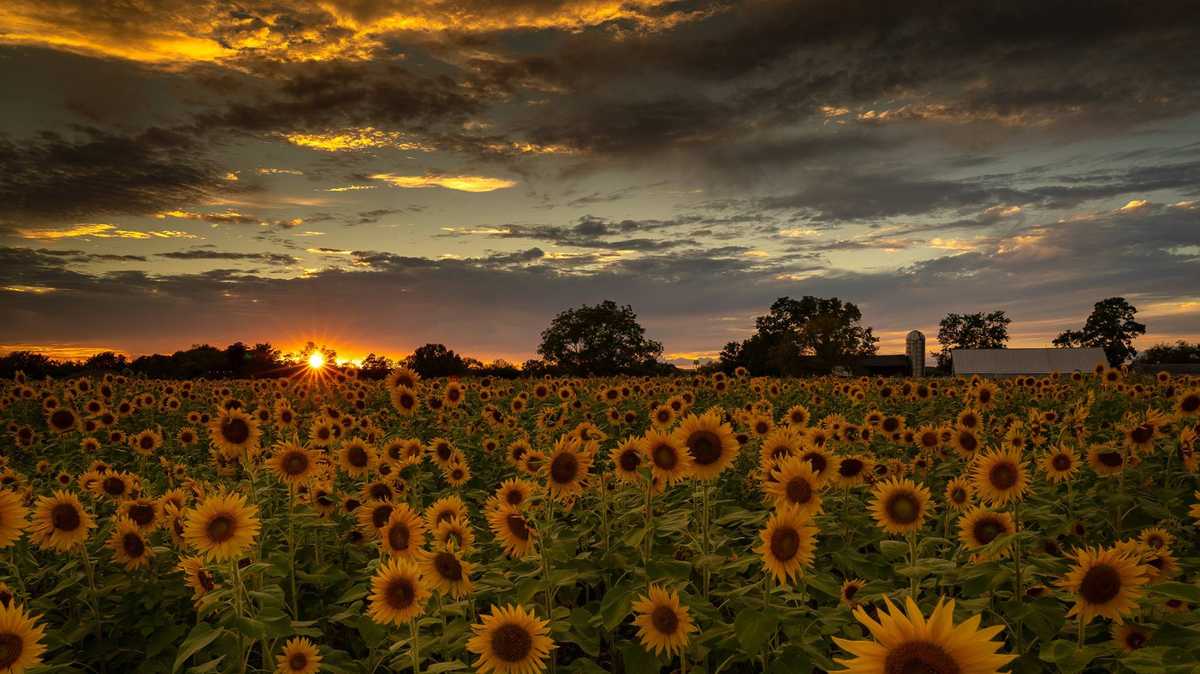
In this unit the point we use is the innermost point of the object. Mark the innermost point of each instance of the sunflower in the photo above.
(234, 433)
(849, 592)
(959, 493)
(567, 468)
(1106, 460)
(62, 420)
(356, 458)
(404, 400)
(965, 442)
(455, 532)
(1187, 403)
(299, 656)
(899, 505)
(292, 464)
(514, 492)
(146, 442)
(1060, 464)
(404, 533)
(510, 640)
(20, 640)
(1105, 583)
(222, 527)
(144, 512)
(669, 462)
(663, 624)
(447, 572)
(457, 473)
(819, 458)
(397, 593)
(1156, 538)
(778, 445)
(442, 451)
(981, 526)
(710, 443)
(788, 543)
(445, 508)
(14, 517)
(796, 485)
(197, 576)
(129, 546)
(1129, 637)
(60, 522)
(1000, 476)
(914, 643)
(850, 471)
(514, 531)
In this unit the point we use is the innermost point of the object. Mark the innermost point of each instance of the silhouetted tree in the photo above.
(971, 331)
(435, 360)
(1110, 327)
(1179, 353)
(805, 336)
(106, 361)
(604, 339)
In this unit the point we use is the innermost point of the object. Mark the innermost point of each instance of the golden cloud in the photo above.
(462, 183)
(100, 231)
(364, 138)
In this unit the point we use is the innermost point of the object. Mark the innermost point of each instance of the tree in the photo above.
(1110, 327)
(971, 331)
(808, 335)
(375, 367)
(1179, 353)
(106, 361)
(604, 339)
(435, 360)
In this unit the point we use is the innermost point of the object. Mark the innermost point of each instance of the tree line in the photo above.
(806, 336)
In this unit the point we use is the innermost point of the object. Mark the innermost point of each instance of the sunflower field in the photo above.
(712, 523)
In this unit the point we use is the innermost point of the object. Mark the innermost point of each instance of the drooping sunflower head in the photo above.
(851, 471)
(129, 545)
(222, 527)
(663, 623)
(299, 656)
(787, 543)
(907, 641)
(397, 592)
(900, 505)
(197, 576)
(849, 594)
(511, 640)
(455, 533)
(1105, 583)
(514, 531)
(1107, 460)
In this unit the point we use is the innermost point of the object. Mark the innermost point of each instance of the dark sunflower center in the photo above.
(114, 486)
(929, 439)
(890, 424)
(799, 491)
(968, 441)
(850, 467)
(146, 442)
(630, 459)
(665, 620)
(665, 457)
(817, 461)
(399, 536)
(564, 468)
(400, 593)
(141, 514)
(380, 515)
(987, 529)
(1100, 585)
(298, 662)
(11, 646)
(959, 495)
(443, 452)
(220, 528)
(62, 419)
(1142, 434)
(514, 497)
(357, 456)
(705, 447)
(511, 643)
(448, 566)
(903, 508)
(1190, 403)
(1110, 459)
(1003, 476)
(920, 657)
(785, 543)
(1061, 462)
(517, 527)
(235, 431)
(295, 463)
(850, 591)
(133, 545)
(65, 517)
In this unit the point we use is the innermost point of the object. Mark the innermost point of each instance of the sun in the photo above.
(316, 361)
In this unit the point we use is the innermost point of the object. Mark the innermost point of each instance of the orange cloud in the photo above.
(100, 231)
(356, 139)
(462, 183)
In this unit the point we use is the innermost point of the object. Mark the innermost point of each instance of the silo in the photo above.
(914, 347)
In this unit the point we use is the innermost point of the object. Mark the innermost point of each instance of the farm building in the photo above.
(1006, 362)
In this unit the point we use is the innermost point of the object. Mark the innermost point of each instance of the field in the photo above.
(706, 524)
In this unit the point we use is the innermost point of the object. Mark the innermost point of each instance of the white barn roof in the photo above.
(1025, 361)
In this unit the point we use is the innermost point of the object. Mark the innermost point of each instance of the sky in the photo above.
(378, 175)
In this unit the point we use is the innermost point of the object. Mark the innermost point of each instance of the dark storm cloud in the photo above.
(53, 177)
(269, 258)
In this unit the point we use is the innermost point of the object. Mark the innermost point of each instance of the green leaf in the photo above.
(616, 605)
(201, 635)
(637, 660)
(1175, 590)
(754, 627)
(452, 666)
(893, 549)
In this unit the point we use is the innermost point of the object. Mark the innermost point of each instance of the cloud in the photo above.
(100, 231)
(461, 183)
(366, 138)
(201, 254)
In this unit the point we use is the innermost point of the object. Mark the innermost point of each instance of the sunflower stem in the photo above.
(1020, 585)
(292, 550)
(95, 601)
(416, 646)
(914, 582)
